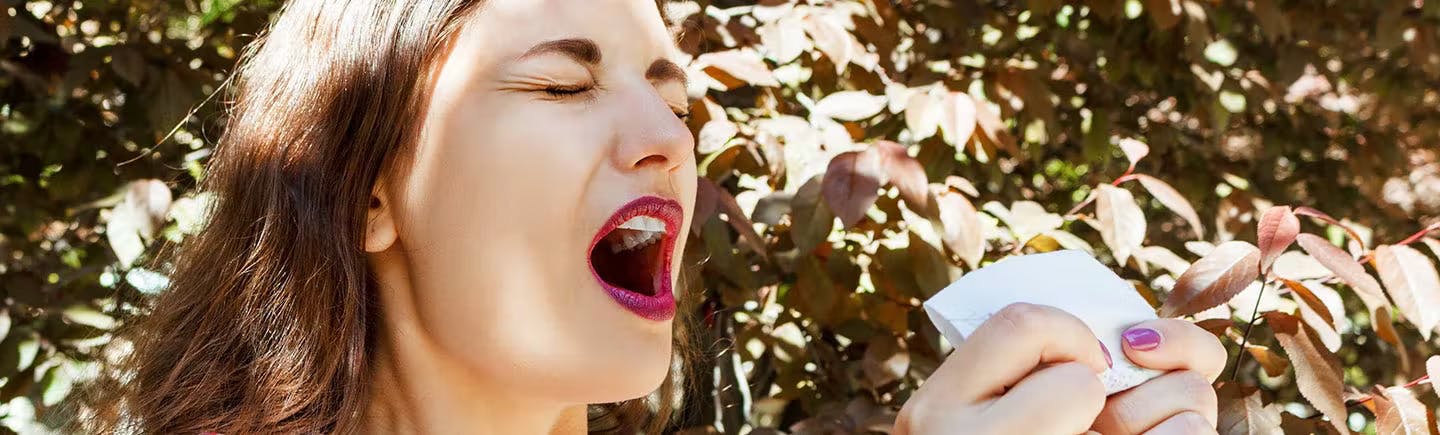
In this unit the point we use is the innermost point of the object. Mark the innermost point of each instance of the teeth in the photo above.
(644, 223)
(629, 239)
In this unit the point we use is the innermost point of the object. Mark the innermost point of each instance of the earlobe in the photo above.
(380, 231)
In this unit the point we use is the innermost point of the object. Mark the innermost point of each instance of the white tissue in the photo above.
(1069, 280)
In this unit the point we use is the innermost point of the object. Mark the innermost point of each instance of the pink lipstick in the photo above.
(630, 256)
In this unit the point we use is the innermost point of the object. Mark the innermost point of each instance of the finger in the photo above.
(1011, 344)
(1147, 405)
(1174, 344)
(1185, 423)
(1068, 395)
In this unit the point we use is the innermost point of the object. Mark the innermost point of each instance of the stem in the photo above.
(1419, 234)
(1254, 314)
(1369, 397)
(1088, 199)
(1123, 178)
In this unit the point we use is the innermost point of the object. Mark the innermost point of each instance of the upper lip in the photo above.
(665, 209)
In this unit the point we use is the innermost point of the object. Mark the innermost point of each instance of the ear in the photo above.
(380, 231)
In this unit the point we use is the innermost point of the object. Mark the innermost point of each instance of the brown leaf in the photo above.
(906, 174)
(1214, 279)
(852, 184)
(1134, 150)
(1165, 13)
(741, 64)
(1413, 284)
(811, 219)
(885, 361)
(1216, 326)
(1309, 298)
(1398, 411)
(1277, 230)
(1273, 363)
(958, 118)
(1317, 371)
(1326, 331)
(1122, 224)
(1173, 200)
(1346, 268)
(1241, 412)
(963, 233)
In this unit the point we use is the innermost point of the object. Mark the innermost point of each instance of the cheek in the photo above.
(495, 229)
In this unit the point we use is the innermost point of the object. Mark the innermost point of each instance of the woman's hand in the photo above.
(1181, 401)
(1028, 369)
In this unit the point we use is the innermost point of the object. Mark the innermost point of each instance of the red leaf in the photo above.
(737, 218)
(1278, 228)
(1397, 411)
(1134, 151)
(831, 38)
(907, 174)
(1413, 284)
(993, 129)
(1317, 371)
(1214, 279)
(963, 233)
(1122, 224)
(924, 113)
(742, 64)
(958, 118)
(1346, 268)
(1432, 369)
(850, 105)
(852, 184)
(1173, 200)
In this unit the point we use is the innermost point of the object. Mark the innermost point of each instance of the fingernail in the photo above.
(1142, 338)
(1108, 362)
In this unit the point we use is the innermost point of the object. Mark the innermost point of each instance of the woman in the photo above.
(443, 216)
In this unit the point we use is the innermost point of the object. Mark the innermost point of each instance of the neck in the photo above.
(417, 388)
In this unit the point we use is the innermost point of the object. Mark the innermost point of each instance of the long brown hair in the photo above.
(271, 316)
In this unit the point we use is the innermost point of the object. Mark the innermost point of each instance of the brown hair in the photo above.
(271, 316)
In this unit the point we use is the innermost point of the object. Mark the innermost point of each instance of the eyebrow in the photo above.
(586, 51)
(664, 69)
(581, 49)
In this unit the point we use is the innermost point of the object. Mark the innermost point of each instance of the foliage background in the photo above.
(859, 156)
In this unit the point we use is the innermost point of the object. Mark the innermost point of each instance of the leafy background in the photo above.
(1242, 162)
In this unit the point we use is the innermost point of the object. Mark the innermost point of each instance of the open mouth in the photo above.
(631, 255)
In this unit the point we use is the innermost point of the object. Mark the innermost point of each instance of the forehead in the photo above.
(629, 32)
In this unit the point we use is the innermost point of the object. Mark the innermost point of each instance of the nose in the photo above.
(649, 134)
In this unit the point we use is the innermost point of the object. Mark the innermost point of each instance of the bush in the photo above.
(856, 157)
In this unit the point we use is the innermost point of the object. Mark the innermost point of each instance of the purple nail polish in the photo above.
(1142, 338)
(1108, 362)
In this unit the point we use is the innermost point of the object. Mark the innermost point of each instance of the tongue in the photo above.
(632, 269)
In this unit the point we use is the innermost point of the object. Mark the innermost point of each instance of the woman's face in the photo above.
(543, 215)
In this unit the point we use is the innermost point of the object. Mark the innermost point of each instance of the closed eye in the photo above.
(561, 91)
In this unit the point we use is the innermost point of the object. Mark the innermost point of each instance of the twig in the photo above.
(1369, 397)
(181, 123)
(1254, 314)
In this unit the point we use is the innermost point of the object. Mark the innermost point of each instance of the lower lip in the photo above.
(661, 305)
